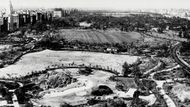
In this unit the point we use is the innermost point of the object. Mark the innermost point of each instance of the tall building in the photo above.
(4, 27)
(10, 16)
(15, 21)
(1, 23)
(13, 18)
(21, 20)
(32, 19)
(57, 12)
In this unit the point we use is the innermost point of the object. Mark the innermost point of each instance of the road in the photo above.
(154, 68)
(181, 62)
(175, 50)
(178, 39)
(178, 59)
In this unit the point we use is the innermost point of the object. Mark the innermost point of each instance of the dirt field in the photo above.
(40, 60)
(76, 93)
(97, 36)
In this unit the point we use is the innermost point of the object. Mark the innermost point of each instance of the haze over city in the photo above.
(98, 4)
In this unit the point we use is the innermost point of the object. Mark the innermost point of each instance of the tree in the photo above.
(116, 103)
(3, 90)
(136, 71)
(85, 71)
(126, 69)
(102, 90)
(40, 27)
(3, 34)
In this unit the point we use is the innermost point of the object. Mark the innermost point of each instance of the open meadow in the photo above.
(98, 36)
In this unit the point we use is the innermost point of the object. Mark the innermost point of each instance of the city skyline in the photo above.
(98, 4)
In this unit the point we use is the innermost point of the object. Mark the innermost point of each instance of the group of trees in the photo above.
(3, 34)
(126, 69)
(53, 42)
(65, 22)
(102, 90)
(132, 69)
(3, 90)
(127, 23)
(135, 21)
(117, 102)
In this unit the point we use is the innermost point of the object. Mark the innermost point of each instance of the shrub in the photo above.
(93, 101)
(86, 71)
(102, 90)
(66, 105)
(126, 69)
(118, 102)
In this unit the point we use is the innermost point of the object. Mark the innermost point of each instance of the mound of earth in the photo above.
(182, 91)
(54, 80)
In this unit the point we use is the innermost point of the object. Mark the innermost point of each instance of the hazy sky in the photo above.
(99, 4)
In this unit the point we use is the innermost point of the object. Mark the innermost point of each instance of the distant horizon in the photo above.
(94, 9)
(112, 5)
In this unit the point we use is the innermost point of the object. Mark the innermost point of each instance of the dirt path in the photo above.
(154, 68)
(169, 101)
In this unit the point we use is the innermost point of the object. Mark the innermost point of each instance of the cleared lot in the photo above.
(40, 60)
(78, 92)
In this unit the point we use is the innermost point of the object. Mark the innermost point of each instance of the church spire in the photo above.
(10, 16)
(10, 7)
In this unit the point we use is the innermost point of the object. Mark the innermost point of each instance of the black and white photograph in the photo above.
(94, 53)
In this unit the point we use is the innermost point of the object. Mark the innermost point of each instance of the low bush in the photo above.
(85, 71)
(102, 90)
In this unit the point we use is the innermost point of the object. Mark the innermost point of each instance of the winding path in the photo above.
(175, 51)
(169, 101)
(153, 69)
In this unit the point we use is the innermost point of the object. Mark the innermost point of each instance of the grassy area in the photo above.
(98, 36)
